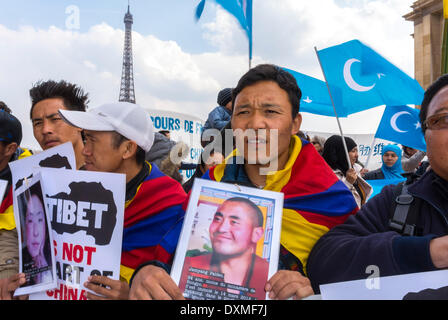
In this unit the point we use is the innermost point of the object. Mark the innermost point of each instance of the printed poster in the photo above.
(86, 210)
(230, 241)
(396, 287)
(35, 239)
(3, 185)
(61, 156)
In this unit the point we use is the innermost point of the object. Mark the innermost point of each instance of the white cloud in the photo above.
(167, 77)
(286, 32)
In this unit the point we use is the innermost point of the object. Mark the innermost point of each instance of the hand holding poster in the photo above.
(229, 244)
(86, 210)
(35, 239)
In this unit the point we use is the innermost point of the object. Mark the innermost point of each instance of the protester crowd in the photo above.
(332, 229)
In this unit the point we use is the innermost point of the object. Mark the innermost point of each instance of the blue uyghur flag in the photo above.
(240, 9)
(379, 184)
(315, 97)
(401, 124)
(366, 79)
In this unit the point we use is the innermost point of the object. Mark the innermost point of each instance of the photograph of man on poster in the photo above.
(36, 245)
(232, 269)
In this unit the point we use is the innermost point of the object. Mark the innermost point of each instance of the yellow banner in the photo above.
(445, 9)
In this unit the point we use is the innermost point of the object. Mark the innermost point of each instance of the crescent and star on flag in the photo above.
(357, 87)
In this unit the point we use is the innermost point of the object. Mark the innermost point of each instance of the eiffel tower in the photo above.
(127, 93)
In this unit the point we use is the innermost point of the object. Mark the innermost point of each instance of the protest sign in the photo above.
(375, 287)
(3, 185)
(61, 156)
(86, 210)
(230, 241)
(35, 238)
(182, 127)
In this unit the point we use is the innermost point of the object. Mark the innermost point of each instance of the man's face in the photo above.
(35, 226)
(265, 108)
(437, 139)
(48, 127)
(99, 152)
(233, 230)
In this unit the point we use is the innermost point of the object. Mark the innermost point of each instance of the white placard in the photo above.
(3, 185)
(226, 225)
(35, 238)
(86, 210)
(61, 156)
(384, 288)
(182, 127)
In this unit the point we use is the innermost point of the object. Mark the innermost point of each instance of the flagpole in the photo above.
(370, 152)
(334, 109)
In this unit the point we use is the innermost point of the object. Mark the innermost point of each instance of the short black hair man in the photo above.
(266, 103)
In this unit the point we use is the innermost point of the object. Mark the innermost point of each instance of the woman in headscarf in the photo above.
(334, 155)
(318, 143)
(391, 168)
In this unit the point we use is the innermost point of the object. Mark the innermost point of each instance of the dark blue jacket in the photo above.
(365, 239)
(217, 118)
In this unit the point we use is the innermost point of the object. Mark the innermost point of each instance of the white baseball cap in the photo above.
(128, 119)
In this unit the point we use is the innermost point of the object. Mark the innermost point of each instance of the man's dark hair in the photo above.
(72, 95)
(429, 95)
(259, 214)
(270, 72)
(4, 107)
(118, 139)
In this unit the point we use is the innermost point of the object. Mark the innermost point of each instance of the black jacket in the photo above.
(365, 239)
(374, 175)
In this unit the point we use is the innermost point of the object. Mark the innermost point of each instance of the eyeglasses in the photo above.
(436, 122)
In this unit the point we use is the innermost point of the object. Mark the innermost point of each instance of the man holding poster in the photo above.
(117, 137)
(10, 139)
(266, 117)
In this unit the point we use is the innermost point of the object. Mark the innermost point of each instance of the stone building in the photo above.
(428, 19)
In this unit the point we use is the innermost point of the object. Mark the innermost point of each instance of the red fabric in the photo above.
(7, 201)
(165, 192)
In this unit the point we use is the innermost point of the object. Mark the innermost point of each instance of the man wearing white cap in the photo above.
(117, 135)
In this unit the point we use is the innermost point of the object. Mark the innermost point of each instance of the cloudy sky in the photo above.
(180, 65)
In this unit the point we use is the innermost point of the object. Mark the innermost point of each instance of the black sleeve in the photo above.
(364, 240)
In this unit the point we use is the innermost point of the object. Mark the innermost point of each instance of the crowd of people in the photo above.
(332, 228)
